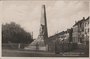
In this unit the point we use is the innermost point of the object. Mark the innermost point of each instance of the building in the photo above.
(86, 31)
(81, 31)
(78, 31)
(64, 37)
(75, 34)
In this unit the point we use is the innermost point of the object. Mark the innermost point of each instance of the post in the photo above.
(19, 46)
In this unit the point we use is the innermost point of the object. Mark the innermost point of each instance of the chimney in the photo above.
(75, 22)
(83, 18)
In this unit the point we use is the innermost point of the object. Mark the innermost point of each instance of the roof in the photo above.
(87, 18)
(56, 35)
(80, 21)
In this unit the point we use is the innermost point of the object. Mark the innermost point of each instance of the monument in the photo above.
(43, 33)
(41, 43)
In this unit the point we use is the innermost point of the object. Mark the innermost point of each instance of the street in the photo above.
(25, 53)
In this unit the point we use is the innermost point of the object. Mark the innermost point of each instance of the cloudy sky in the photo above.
(61, 15)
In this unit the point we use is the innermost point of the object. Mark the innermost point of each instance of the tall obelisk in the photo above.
(43, 26)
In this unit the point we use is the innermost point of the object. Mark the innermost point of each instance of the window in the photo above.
(85, 24)
(88, 30)
(81, 40)
(88, 22)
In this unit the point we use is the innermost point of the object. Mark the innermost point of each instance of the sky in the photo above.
(61, 15)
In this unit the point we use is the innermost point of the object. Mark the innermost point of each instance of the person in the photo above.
(37, 46)
(62, 46)
(57, 46)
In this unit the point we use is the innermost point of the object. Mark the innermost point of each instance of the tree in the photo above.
(15, 34)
